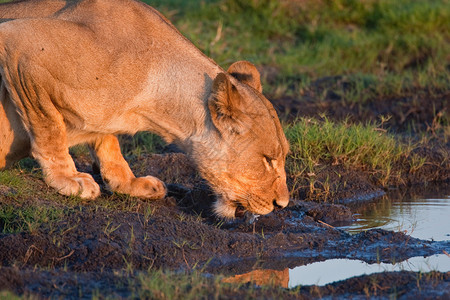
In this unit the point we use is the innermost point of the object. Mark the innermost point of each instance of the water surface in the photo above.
(331, 270)
(424, 215)
(421, 217)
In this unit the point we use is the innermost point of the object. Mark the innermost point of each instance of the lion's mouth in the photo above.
(240, 211)
(245, 215)
(231, 209)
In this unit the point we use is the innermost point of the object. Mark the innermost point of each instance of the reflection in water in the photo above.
(421, 218)
(325, 272)
(262, 277)
(331, 270)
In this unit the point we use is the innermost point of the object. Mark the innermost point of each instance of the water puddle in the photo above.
(426, 218)
(325, 272)
(332, 270)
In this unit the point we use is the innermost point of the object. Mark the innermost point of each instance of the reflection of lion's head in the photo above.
(244, 160)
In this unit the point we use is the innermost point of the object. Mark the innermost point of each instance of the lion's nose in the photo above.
(282, 197)
(281, 202)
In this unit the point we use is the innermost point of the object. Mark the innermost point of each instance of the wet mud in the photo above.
(94, 249)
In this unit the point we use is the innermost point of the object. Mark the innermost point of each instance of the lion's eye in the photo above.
(268, 160)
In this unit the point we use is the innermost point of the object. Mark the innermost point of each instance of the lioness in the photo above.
(83, 71)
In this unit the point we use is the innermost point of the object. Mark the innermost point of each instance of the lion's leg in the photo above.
(14, 140)
(117, 174)
(49, 148)
(48, 140)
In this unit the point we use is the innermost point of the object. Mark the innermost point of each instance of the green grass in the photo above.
(10, 178)
(315, 143)
(27, 203)
(140, 143)
(14, 219)
(9, 295)
(157, 284)
(398, 46)
(136, 145)
(16, 183)
(166, 285)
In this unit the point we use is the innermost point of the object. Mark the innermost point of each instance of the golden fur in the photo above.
(83, 71)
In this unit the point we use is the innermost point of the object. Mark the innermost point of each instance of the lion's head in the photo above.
(244, 157)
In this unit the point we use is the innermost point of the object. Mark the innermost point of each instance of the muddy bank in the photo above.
(61, 284)
(83, 252)
(99, 250)
(92, 238)
(99, 247)
(398, 285)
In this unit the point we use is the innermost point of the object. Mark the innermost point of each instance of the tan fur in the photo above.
(83, 71)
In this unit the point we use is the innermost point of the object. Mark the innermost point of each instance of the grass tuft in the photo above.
(322, 142)
(15, 219)
(193, 285)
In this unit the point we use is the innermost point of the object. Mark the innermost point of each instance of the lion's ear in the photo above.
(247, 73)
(225, 105)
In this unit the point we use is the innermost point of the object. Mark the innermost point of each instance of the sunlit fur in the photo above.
(71, 74)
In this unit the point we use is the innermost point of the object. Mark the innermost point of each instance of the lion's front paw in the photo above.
(81, 184)
(148, 187)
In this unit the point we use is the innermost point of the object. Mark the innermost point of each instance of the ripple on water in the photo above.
(427, 219)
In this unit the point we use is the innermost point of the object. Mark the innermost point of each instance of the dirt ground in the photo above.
(93, 250)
